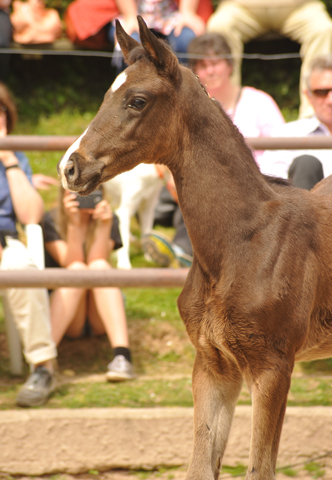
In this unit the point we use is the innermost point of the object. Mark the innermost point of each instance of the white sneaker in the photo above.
(120, 370)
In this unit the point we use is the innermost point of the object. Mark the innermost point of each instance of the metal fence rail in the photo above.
(52, 278)
(61, 143)
(139, 277)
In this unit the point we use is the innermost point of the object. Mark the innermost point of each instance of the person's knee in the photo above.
(305, 171)
(224, 19)
(99, 264)
(308, 162)
(77, 266)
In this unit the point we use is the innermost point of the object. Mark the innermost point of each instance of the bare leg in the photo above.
(106, 311)
(216, 387)
(269, 398)
(68, 309)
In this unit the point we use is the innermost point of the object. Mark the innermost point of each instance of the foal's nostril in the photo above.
(69, 170)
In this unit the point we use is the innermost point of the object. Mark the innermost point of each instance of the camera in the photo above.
(91, 200)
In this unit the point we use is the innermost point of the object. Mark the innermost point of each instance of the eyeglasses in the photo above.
(321, 92)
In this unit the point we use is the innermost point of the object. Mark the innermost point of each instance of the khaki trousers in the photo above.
(29, 307)
(308, 24)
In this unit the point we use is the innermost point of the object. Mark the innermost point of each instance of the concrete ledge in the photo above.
(37, 442)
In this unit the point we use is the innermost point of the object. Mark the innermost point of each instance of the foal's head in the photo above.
(139, 119)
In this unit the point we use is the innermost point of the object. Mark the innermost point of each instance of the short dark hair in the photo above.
(321, 63)
(209, 44)
(7, 104)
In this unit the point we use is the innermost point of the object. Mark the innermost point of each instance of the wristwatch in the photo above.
(16, 165)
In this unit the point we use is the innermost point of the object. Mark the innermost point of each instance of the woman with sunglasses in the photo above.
(305, 168)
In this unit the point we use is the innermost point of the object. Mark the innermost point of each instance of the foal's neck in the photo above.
(220, 191)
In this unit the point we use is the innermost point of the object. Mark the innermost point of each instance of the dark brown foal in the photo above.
(258, 296)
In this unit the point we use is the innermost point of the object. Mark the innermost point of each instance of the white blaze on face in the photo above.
(120, 80)
(65, 158)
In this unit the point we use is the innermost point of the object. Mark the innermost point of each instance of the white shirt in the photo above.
(277, 162)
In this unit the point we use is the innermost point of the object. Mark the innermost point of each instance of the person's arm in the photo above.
(128, 10)
(189, 17)
(58, 251)
(102, 244)
(27, 203)
(65, 252)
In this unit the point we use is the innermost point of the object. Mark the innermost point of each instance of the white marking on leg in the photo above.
(120, 80)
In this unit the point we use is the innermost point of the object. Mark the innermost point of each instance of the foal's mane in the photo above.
(140, 53)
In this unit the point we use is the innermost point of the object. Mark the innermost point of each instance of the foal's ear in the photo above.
(126, 42)
(157, 50)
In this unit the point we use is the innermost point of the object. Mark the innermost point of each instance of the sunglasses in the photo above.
(321, 92)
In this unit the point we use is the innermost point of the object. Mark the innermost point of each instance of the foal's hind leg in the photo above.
(269, 398)
(215, 390)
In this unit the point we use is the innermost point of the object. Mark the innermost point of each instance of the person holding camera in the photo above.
(21, 203)
(80, 235)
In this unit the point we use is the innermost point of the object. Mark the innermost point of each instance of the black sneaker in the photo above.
(36, 389)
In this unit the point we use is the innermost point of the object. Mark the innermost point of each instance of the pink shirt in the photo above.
(256, 115)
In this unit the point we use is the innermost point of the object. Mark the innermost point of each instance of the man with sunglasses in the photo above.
(306, 167)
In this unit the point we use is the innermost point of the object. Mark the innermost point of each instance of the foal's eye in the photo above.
(137, 103)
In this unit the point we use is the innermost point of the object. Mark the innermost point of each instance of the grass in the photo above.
(163, 389)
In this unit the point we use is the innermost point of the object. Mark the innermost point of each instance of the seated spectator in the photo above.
(306, 167)
(81, 239)
(5, 37)
(178, 23)
(253, 111)
(20, 202)
(304, 21)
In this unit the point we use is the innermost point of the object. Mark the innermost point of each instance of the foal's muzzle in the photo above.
(69, 171)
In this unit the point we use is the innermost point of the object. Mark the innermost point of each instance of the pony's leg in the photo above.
(269, 398)
(215, 392)
(123, 259)
(147, 208)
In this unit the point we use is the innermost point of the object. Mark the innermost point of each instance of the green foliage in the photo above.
(237, 471)
(289, 472)
(314, 469)
(53, 84)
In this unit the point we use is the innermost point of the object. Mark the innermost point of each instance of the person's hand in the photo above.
(190, 20)
(103, 212)
(43, 182)
(130, 24)
(73, 213)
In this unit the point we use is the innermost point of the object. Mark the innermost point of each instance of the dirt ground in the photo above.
(145, 343)
(324, 473)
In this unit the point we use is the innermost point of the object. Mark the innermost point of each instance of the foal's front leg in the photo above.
(269, 399)
(215, 392)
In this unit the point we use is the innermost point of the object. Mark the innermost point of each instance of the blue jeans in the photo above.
(179, 44)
